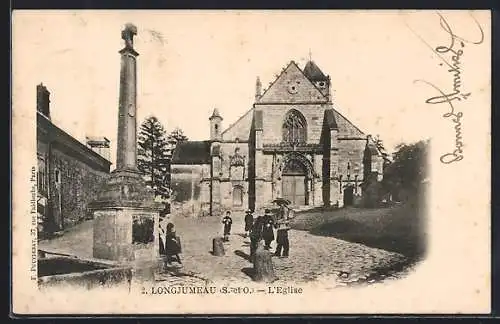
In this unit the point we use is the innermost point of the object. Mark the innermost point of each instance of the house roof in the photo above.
(192, 152)
(51, 133)
(313, 72)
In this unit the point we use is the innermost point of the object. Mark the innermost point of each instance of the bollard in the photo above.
(263, 265)
(218, 246)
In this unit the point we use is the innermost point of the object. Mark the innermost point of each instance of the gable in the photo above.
(240, 129)
(292, 86)
(345, 127)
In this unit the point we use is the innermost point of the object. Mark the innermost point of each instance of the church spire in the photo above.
(258, 89)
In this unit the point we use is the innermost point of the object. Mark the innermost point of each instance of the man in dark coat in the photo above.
(248, 222)
(227, 221)
(268, 228)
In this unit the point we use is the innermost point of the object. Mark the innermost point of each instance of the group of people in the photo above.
(259, 229)
(262, 229)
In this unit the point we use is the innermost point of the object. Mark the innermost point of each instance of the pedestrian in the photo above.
(248, 222)
(255, 235)
(161, 235)
(173, 245)
(282, 226)
(227, 221)
(268, 228)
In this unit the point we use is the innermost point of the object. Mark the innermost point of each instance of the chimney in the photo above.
(43, 100)
(100, 145)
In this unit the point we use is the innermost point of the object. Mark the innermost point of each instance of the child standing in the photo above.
(227, 221)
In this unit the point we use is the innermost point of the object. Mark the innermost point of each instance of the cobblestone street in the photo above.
(311, 258)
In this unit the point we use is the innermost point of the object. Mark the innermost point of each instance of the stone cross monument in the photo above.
(126, 217)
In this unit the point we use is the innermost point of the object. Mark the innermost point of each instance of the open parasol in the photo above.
(282, 201)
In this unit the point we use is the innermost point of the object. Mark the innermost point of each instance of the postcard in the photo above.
(251, 162)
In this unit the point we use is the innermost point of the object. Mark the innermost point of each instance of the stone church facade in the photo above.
(292, 143)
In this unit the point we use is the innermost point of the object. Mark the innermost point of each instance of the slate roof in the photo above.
(192, 152)
(313, 72)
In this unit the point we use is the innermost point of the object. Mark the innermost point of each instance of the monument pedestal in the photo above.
(126, 220)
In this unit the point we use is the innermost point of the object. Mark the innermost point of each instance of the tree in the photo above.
(404, 175)
(175, 137)
(380, 146)
(152, 157)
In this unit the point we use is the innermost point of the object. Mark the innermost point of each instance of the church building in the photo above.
(292, 143)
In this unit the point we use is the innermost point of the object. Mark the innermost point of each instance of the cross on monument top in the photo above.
(128, 34)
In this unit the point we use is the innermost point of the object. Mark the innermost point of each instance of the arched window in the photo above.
(294, 128)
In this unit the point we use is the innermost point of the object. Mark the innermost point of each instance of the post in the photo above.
(218, 246)
(263, 265)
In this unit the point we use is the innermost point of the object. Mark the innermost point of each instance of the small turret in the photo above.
(215, 126)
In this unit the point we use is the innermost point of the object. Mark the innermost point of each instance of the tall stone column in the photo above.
(127, 121)
(126, 217)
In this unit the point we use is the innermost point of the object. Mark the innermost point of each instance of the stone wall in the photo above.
(191, 189)
(351, 154)
(73, 185)
(231, 177)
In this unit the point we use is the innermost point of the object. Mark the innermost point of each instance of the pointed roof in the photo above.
(276, 92)
(313, 72)
(215, 114)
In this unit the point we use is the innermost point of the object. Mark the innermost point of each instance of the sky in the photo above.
(191, 62)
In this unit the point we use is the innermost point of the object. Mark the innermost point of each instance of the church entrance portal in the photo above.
(294, 183)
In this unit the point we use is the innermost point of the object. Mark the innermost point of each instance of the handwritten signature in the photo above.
(455, 49)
